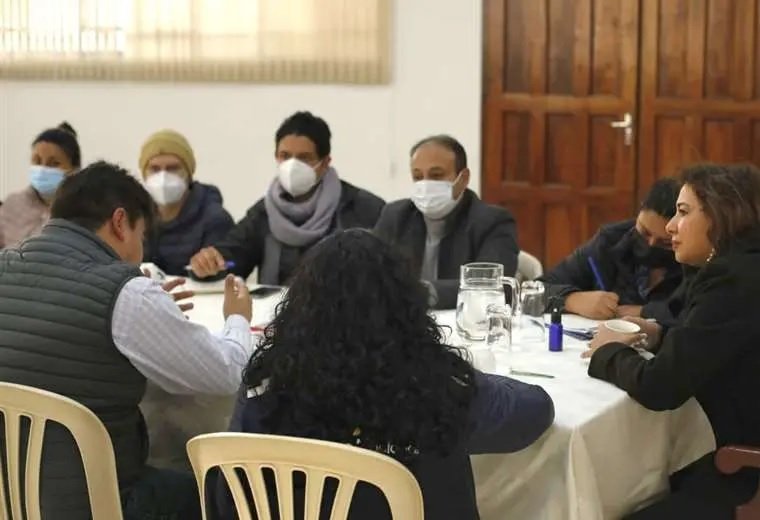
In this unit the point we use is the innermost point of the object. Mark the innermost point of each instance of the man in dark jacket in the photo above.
(636, 271)
(305, 202)
(444, 225)
(191, 213)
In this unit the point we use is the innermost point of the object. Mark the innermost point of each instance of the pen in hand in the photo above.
(597, 274)
(229, 264)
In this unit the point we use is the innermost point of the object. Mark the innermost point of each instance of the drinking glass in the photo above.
(531, 313)
(499, 335)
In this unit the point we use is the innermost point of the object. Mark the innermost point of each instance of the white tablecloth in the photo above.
(172, 420)
(604, 455)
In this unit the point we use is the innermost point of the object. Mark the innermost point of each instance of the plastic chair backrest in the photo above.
(528, 267)
(40, 406)
(318, 460)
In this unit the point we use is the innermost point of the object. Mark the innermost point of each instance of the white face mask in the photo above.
(296, 177)
(166, 187)
(434, 199)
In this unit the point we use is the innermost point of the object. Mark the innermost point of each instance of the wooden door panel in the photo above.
(700, 84)
(557, 73)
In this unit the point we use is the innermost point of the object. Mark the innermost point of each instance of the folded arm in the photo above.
(689, 356)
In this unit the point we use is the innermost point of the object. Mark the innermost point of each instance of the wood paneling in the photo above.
(603, 152)
(562, 143)
(516, 147)
(699, 84)
(671, 152)
(558, 72)
(607, 44)
(560, 37)
(672, 35)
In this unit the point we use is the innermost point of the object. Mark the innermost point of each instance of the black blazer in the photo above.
(713, 354)
(475, 232)
(245, 243)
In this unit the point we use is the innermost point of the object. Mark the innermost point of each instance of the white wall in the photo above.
(436, 88)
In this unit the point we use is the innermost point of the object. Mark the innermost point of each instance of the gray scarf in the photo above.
(299, 224)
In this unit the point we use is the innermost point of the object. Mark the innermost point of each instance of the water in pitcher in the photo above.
(472, 318)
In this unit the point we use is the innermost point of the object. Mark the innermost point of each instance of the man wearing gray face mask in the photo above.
(444, 225)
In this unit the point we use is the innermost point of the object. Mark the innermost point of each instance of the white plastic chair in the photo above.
(528, 267)
(40, 406)
(318, 460)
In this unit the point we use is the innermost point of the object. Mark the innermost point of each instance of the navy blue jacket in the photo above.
(506, 415)
(612, 250)
(201, 222)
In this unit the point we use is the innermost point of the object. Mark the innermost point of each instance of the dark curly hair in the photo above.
(354, 356)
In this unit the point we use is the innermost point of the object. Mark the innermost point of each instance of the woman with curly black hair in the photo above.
(353, 356)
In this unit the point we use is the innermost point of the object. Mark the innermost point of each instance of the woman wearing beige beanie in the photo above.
(191, 213)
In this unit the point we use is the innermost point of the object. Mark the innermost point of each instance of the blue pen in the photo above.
(597, 274)
(229, 264)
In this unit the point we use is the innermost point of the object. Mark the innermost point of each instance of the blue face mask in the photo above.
(45, 180)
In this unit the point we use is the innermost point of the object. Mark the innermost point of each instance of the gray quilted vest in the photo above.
(57, 294)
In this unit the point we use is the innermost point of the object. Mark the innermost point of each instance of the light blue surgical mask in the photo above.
(45, 180)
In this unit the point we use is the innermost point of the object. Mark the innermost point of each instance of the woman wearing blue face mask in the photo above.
(55, 154)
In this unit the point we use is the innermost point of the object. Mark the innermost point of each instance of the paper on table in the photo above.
(197, 287)
(208, 287)
(573, 321)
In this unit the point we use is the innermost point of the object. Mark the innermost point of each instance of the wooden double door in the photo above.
(587, 102)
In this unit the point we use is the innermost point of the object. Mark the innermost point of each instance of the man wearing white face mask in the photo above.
(445, 225)
(306, 201)
(191, 213)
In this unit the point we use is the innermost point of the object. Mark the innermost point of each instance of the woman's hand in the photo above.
(605, 335)
(652, 329)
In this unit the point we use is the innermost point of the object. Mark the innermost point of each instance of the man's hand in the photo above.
(597, 305)
(207, 262)
(179, 295)
(237, 299)
(633, 311)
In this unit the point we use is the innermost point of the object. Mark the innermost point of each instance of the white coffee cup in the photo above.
(626, 327)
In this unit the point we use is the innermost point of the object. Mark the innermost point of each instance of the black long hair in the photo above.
(354, 356)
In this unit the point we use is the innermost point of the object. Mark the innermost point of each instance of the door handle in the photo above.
(625, 124)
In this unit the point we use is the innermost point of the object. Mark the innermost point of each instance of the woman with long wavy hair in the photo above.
(713, 354)
(353, 356)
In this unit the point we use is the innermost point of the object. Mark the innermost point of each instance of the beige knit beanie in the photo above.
(168, 141)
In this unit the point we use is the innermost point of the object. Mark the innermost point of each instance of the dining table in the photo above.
(604, 456)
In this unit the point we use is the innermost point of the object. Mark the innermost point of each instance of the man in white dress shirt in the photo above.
(78, 318)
